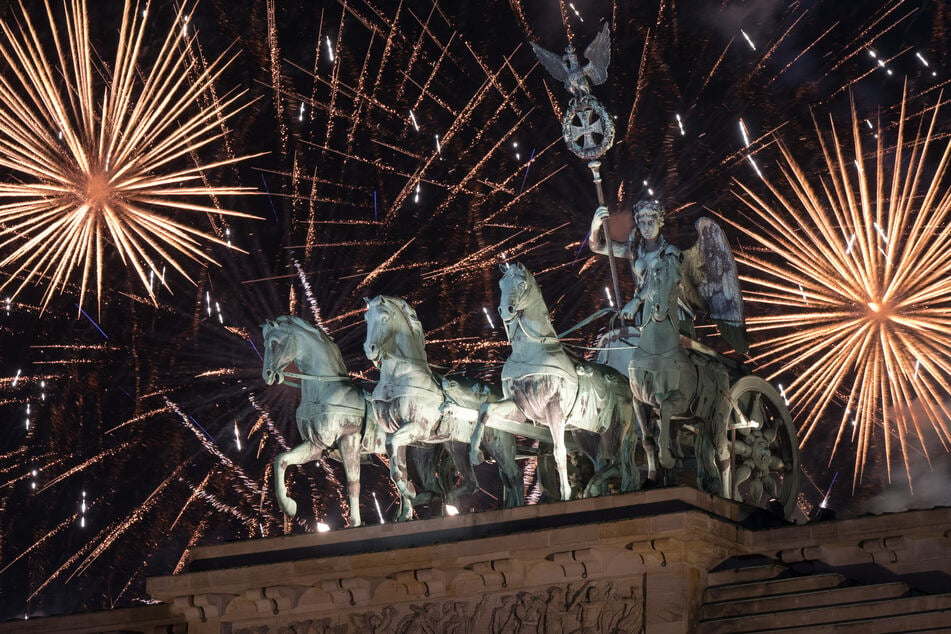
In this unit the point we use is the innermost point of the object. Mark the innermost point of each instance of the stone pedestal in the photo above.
(621, 563)
(666, 560)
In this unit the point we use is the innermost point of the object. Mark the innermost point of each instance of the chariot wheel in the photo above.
(764, 448)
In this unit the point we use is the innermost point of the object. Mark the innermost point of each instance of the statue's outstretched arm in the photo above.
(596, 237)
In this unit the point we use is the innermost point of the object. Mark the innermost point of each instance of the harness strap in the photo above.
(409, 390)
(599, 348)
(323, 409)
(542, 339)
(587, 320)
(316, 377)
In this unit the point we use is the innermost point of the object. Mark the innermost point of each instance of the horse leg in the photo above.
(663, 441)
(396, 449)
(603, 451)
(507, 410)
(601, 457)
(630, 473)
(350, 454)
(477, 433)
(470, 483)
(475, 442)
(560, 452)
(597, 486)
(304, 452)
(425, 462)
(647, 441)
(501, 446)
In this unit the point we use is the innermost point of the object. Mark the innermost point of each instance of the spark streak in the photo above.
(488, 317)
(748, 40)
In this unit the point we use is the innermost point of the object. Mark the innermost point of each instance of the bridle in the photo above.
(281, 374)
(516, 317)
(381, 354)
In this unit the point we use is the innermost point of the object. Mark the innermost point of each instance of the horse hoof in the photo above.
(290, 509)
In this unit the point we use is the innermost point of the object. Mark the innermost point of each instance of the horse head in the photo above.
(517, 284)
(392, 330)
(280, 349)
(662, 289)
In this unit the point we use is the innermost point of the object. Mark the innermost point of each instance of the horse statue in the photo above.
(464, 398)
(541, 382)
(333, 411)
(677, 383)
(408, 401)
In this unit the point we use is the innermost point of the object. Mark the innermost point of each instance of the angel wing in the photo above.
(598, 55)
(710, 282)
(552, 62)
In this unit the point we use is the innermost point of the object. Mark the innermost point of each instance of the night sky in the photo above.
(408, 149)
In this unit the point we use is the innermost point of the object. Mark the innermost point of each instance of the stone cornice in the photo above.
(631, 562)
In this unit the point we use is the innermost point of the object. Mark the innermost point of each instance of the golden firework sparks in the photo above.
(856, 293)
(97, 156)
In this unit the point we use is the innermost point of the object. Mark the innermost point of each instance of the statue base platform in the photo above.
(663, 560)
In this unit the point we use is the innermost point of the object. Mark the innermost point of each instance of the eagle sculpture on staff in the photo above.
(587, 128)
(566, 68)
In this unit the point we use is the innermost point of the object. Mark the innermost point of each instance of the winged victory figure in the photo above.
(709, 282)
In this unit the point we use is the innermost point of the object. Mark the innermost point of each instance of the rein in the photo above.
(587, 320)
(517, 318)
(545, 339)
(317, 377)
(542, 339)
(320, 378)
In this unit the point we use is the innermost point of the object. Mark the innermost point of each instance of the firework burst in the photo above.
(100, 156)
(856, 287)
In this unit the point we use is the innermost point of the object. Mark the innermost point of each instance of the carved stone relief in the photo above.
(577, 608)
(311, 626)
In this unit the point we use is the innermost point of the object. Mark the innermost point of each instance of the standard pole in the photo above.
(595, 167)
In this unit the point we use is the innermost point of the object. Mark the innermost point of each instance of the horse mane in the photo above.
(409, 314)
(519, 270)
(333, 350)
(300, 323)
